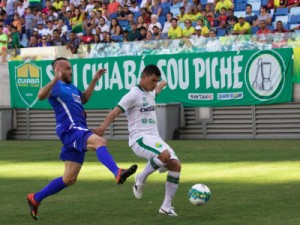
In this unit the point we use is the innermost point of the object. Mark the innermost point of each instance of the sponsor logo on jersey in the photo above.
(147, 109)
(28, 82)
(76, 98)
(158, 145)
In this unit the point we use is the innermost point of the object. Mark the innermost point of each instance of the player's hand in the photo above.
(57, 71)
(99, 73)
(162, 84)
(99, 131)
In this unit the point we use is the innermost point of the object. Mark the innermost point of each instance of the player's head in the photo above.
(150, 77)
(65, 67)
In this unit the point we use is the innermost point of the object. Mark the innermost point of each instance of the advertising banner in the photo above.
(194, 79)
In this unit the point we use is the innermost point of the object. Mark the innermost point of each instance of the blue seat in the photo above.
(221, 32)
(175, 10)
(281, 12)
(295, 11)
(203, 2)
(162, 20)
(137, 14)
(165, 11)
(166, 4)
(240, 6)
(117, 38)
(270, 27)
(294, 19)
(254, 29)
(123, 23)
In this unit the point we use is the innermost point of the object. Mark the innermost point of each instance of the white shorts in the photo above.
(151, 146)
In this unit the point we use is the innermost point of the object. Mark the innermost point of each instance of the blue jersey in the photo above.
(65, 100)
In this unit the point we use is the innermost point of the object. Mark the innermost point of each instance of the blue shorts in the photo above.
(74, 144)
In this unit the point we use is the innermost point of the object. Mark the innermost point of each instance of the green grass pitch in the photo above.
(253, 182)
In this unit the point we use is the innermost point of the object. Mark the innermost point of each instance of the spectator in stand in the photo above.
(113, 7)
(76, 22)
(42, 31)
(188, 30)
(5, 30)
(50, 28)
(97, 6)
(156, 33)
(15, 38)
(82, 5)
(206, 22)
(134, 6)
(35, 33)
(43, 19)
(74, 43)
(213, 43)
(44, 42)
(143, 31)
(146, 15)
(197, 40)
(90, 7)
(222, 18)
(103, 26)
(188, 6)
(279, 28)
(149, 36)
(250, 17)
(106, 38)
(156, 8)
(105, 11)
(230, 16)
(134, 34)
(175, 31)
(197, 4)
(292, 3)
(52, 14)
(182, 16)
(32, 42)
(125, 35)
(204, 29)
(195, 14)
(264, 15)
(230, 27)
(167, 24)
(93, 19)
(154, 22)
(48, 5)
(20, 8)
(63, 28)
(141, 23)
(57, 4)
(3, 44)
(88, 38)
(96, 39)
(146, 4)
(124, 13)
(263, 33)
(57, 40)
(242, 27)
(211, 19)
(30, 23)
(115, 28)
(10, 10)
(227, 4)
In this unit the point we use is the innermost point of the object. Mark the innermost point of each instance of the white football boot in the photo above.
(138, 188)
(169, 212)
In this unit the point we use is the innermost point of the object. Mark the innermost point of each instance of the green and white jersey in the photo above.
(139, 108)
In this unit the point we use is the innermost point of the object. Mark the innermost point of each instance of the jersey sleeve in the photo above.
(54, 93)
(127, 101)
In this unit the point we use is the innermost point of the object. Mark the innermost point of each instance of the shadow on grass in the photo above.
(188, 151)
(94, 202)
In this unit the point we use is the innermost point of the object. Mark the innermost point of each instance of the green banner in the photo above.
(194, 79)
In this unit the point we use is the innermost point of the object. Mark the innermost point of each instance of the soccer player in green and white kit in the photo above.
(139, 107)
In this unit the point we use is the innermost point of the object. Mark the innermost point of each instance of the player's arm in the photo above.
(160, 86)
(88, 92)
(109, 118)
(45, 91)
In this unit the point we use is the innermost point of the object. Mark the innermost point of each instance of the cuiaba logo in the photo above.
(264, 75)
(158, 145)
(28, 81)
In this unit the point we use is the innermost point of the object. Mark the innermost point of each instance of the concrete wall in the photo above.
(4, 86)
(6, 115)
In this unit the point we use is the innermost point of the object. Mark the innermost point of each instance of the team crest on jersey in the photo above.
(76, 98)
(158, 145)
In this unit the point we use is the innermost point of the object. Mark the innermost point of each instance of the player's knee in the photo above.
(174, 165)
(69, 180)
(165, 156)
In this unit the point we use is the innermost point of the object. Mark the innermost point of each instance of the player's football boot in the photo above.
(124, 173)
(169, 212)
(33, 205)
(138, 188)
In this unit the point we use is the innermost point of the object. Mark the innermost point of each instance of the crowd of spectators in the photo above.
(71, 23)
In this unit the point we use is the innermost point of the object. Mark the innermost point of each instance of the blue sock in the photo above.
(53, 187)
(107, 160)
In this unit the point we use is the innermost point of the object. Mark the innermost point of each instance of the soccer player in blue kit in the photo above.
(66, 101)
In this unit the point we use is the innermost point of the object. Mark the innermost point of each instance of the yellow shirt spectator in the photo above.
(58, 5)
(246, 26)
(182, 18)
(204, 31)
(194, 18)
(227, 4)
(175, 33)
(188, 32)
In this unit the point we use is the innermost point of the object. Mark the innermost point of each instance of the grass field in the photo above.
(253, 182)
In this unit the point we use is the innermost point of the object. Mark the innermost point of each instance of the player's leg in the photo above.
(172, 182)
(98, 144)
(71, 172)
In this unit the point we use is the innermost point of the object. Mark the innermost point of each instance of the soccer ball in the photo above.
(199, 194)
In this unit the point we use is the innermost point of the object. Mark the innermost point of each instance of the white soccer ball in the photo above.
(199, 194)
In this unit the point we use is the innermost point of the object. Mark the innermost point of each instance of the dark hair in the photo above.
(151, 69)
(58, 59)
(249, 5)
